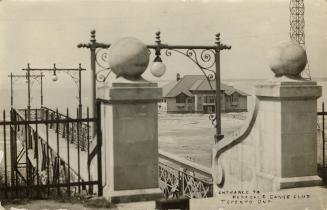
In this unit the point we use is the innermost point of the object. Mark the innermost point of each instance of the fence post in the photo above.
(12, 159)
(323, 142)
(99, 146)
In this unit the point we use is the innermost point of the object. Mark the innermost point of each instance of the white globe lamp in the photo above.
(158, 68)
(54, 77)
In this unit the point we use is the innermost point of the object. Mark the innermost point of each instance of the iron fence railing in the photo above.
(76, 129)
(38, 163)
(34, 114)
(175, 182)
(322, 143)
(181, 177)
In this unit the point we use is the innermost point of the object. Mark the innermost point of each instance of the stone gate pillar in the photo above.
(288, 119)
(130, 126)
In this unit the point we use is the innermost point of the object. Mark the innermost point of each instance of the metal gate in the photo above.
(47, 154)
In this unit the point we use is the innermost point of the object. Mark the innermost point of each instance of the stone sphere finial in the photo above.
(287, 58)
(129, 58)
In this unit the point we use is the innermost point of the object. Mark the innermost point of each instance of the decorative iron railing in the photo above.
(75, 129)
(31, 140)
(181, 177)
(174, 183)
(38, 163)
(34, 114)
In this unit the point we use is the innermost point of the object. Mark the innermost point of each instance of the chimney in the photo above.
(178, 77)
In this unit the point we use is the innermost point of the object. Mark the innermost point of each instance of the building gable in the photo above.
(196, 84)
(183, 85)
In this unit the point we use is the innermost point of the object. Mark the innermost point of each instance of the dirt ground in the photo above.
(192, 135)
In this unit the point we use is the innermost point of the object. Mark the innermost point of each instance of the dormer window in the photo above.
(181, 98)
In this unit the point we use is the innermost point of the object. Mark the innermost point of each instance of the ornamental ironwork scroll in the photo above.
(102, 61)
(175, 183)
(204, 60)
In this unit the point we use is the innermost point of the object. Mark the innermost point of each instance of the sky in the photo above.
(45, 32)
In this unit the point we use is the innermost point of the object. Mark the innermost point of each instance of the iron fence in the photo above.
(80, 129)
(177, 182)
(322, 143)
(40, 162)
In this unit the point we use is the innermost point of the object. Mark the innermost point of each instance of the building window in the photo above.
(181, 98)
(209, 99)
(212, 99)
(189, 100)
(235, 99)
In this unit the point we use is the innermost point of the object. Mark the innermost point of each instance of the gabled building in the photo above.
(193, 93)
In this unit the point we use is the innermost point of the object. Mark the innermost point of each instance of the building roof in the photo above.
(183, 86)
(168, 87)
(203, 85)
(195, 83)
